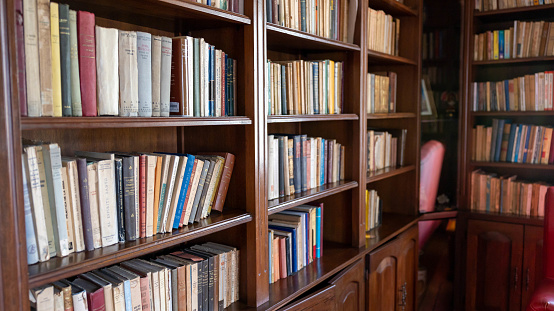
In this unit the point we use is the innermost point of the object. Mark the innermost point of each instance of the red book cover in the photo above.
(142, 195)
(282, 258)
(20, 45)
(181, 222)
(87, 62)
(95, 294)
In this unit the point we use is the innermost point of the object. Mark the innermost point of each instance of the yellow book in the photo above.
(56, 73)
(495, 45)
(367, 210)
(331, 87)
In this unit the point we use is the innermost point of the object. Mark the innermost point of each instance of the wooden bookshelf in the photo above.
(395, 115)
(284, 37)
(511, 61)
(382, 58)
(393, 7)
(512, 113)
(311, 118)
(513, 12)
(388, 172)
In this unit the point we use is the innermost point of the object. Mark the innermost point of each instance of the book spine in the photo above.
(142, 195)
(87, 62)
(107, 82)
(120, 209)
(65, 60)
(30, 237)
(128, 74)
(196, 59)
(200, 193)
(20, 46)
(297, 164)
(85, 204)
(129, 198)
(156, 74)
(45, 56)
(76, 105)
(75, 197)
(32, 71)
(178, 79)
(68, 210)
(304, 162)
(228, 166)
(92, 175)
(45, 201)
(144, 64)
(165, 76)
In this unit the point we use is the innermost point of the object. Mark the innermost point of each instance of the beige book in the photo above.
(128, 74)
(45, 56)
(45, 202)
(216, 176)
(68, 210)
(107, 78)
(56, 71)
(176, 192)
(165, 75)
(32, 71)
(107, 202)
(194, 186)
(76, 106)
(156, 71)
(58, 300)
(169, 189)
(92, 177)
(151, 162)
(74, 196)
(134, 282)
(42, 298)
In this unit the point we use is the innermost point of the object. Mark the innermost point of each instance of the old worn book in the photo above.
(79, 297)
(142, 196)
(156, 74)
(178, 185)
(76, 107)
(157, 191)
(165, 76)
(223, 186)
(45, 201)
(134, 284)
(74, 196)
(145, 281)
(118, 293)
(205, 187)
(56, 70)
(105, 285)
(94, 292)
(144, 66)
(66, 292)
(179, 63)
(183, 191)
(196, 77)
(149, 180)
(45, 56)
(30, 236)
(214, 182)
(186, 210)
(189, 200)
(128, 74)
(174, 164)
(32, 71)
(42, 298)
(20, 46)
(68, 210)
(195, 212)
(129, 189)
(158, 209)
(85, 203)
(107, 78)
(87, 62)
(120, 208)
(92, 176)
(65, 60)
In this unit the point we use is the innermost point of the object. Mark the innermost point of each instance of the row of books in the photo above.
(70, 67)
(532, 92)
(295, 238)
(381, 95)
(373, 209)
(330, 19)
(490, 5)
(99, 199)
(523, 40)
(297, 163)
(433, 45)
(236, 6)
(384, 150)
(305, 87)
(516, 143)
(506, 195)
(383, 32)
(201, 277)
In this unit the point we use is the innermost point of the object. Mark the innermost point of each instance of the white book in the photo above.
(68, 210)
(166, 160)
(144, 66)
(74, 196)
(45, 202)
(42, 298)
(128, 74)
(92, 177)
(36, 203)
(52, 164)
(176, 192)
(203, 106)
(30, 236)
(171, 176)
(190, 76)
(313, 162)
(32, 71)
(107, 78)
(156, 71)
(165, 76)
(151, 161)
(79, 297)
(58, 300)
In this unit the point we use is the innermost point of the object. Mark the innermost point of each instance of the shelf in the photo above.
(391, 226)
(388, 172)
(512, 12)
(392, 7)
(513, 61)
(379, 58)
(438, 215)
(283, 203)
(396, 115)
(439, 120)
(511, 113)
(509, 218)
(311, 117)
(75, 263)
(526, 166)
(279, 37)
(28, 123)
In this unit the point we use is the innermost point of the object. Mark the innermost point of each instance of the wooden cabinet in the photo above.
(502, 264)
(392, 274)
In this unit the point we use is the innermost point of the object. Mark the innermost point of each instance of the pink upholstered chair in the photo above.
(432, 154)
(543, 297)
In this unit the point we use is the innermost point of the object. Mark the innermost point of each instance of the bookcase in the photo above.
(251, 40)
(478, 229)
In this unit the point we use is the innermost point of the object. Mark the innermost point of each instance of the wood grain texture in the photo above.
(393, 7)
(311, 118)
(387, 172)
(532, 270)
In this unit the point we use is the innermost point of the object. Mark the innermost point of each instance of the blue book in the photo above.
(294, 251)
(518, 143)
(318, 232)
(303, 15)
(315, 66)
(526, 145)
(511, 138)
(127, 294)
(498, 142)
(283, 90)
(31, 240)
(501, 44)
(507, 94)
(184, 188)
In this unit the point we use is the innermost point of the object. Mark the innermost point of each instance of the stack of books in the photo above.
(99, 199)
(505, 141)
(295, 240)
(70, 67)
(305, 87)
(201, 277)
(297, 163)
(384, 150)
(523, 40)
(383, 32)
(532, 92)
(490, 5)
(506, 195)
(381, 95)
(373, 210)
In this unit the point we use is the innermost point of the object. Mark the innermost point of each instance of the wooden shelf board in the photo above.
(392, 225)
(513, 61)
(510, 11)
(511, 113)
(208, 10)
(382, 58)
(509, 218)
(283, 203)
(309, 118)
(282, 37)
(28, 123)
(438, 215)
(388, 172)
(512, 165)
(392, 7)
(62, 267)
(395, 115)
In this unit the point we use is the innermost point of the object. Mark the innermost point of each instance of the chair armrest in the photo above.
(543, 297)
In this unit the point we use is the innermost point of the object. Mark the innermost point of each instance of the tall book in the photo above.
(20, 45)
(144, 63)
(65, 60)
(30, 236)
(107, 82)
(165, 76)
(84, 201)
(156, 71)
(223, 186)
(76, 106)
(45, 56)
(74, 197)
(128, 74)
(45, 201)
(87, 62)
(32, 71)
(56, 70)
(92, 176)
(179, 86)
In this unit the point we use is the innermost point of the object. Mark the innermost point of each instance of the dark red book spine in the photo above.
(87, 62)
(551, 156)
(20, 45)
(142, 195)
(96, 300)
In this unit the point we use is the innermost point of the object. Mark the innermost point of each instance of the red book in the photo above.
(142, 195)
(95, 294)
(20, 45)
(188, 194)
(283, 257)
(87, 62)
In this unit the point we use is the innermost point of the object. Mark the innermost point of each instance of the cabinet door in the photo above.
(494, 261)
(383, 278)
(318, 301)
(407, 270)
(532, 262)
(349, 288)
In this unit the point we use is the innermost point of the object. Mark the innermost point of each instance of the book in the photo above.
(32, 71)
(42, 298)
(165, 76)
(65, 60)
(156, 74)
(20, 46)
(144, 66)
(30, 235)
(107, 87)
(74, 197)
(128, 74)
(94, 292)
(76, 105)
(92, 176)
(87, 62)
(45, 57)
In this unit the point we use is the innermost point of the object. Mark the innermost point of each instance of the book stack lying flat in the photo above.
(383, 32)
(297, 163)
(305, 87)
(384, 150)
(98, 199)
(373, 209)
(533, 92)
(295, 240)
(505, 141)
(506, 195)
(523, 40)
(201, 277)
(74, 68)
(490, 5)
(381, 95)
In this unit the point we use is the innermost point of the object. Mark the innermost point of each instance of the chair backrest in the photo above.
(548, 250)
(432, 154)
